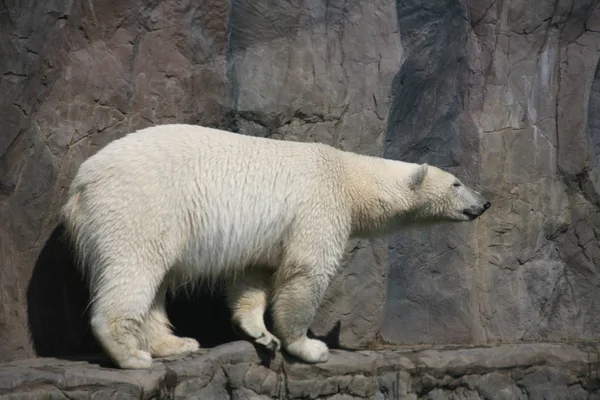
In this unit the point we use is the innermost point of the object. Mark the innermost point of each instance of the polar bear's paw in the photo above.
(268, 341)
(309, 350)
(172, 345)
(138, 359)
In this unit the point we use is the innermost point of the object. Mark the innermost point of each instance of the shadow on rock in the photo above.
(331, 338)
(203, 316)
(57, 298)
(56, 302)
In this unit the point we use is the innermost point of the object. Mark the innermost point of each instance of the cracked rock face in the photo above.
(510, 102)
(504, 94)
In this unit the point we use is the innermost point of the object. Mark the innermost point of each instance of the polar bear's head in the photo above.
(440, 196)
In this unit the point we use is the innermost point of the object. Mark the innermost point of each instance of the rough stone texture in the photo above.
(506, 94)
(541, 246)
(500, 92)
(237, 371)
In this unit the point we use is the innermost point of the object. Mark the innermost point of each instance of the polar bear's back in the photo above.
(200, 196)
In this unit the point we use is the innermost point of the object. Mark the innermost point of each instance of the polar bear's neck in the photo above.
(377, 195)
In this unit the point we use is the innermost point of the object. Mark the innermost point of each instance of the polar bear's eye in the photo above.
(456, 184)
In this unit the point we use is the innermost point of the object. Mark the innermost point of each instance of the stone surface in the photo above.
(503, 93)
(237, 371)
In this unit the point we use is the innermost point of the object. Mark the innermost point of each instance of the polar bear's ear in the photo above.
(417, 177)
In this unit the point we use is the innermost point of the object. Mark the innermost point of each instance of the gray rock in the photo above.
(508, 114)
(235, 371)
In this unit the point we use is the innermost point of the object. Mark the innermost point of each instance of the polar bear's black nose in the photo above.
(487, 205)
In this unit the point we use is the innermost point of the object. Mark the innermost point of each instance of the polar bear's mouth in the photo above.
(471, 214)
(474, 212)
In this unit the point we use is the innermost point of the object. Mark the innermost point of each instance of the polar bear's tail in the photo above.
(72, 218)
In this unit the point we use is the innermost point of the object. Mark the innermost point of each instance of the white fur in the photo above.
(175, 204)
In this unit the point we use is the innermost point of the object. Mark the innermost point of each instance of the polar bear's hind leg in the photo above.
(119, 308)
(158, 331)
(248, 297)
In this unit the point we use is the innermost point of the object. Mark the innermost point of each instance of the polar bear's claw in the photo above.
(269, 341)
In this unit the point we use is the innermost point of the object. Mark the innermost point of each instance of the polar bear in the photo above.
(175, 204)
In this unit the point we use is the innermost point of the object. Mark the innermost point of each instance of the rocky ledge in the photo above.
(237, 371)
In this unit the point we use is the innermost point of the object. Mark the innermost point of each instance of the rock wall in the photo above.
(504, 94)
(500, 92)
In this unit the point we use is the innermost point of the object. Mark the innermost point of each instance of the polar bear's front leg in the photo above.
(247, 297)
(295, 303)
